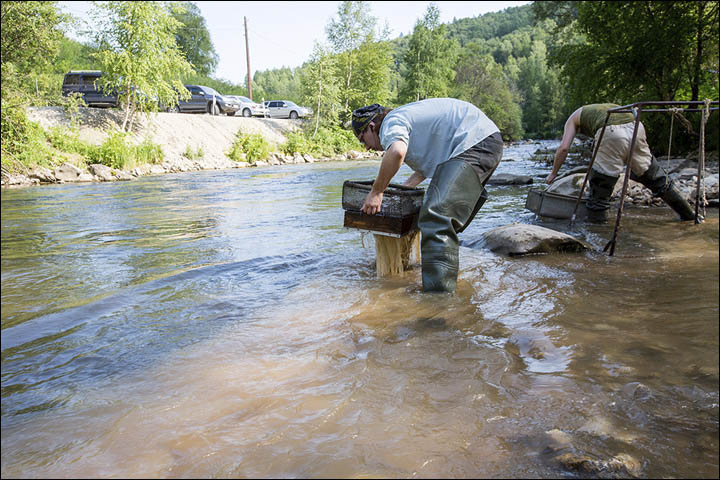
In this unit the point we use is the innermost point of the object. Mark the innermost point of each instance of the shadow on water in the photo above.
(204, 332)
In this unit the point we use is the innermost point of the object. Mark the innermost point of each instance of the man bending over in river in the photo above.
(610, 160)
(451, 141)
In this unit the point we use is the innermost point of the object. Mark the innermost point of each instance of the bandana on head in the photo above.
(361, 117)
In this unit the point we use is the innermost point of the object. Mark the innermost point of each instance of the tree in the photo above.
(193, 38)
(30, 33)
(430, 58)
(480, 81)
(352, 28)
(278, 83)
(639, 50)
(139, 55)
(319, 86)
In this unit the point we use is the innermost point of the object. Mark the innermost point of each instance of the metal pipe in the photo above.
(701, 169)
(611, 244)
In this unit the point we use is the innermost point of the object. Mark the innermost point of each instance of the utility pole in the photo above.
(247, 53)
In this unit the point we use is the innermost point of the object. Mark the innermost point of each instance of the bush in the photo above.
(297, 142)
(115, 152)
(23, 142)
(191, 154)
(254, 146)
(326, 141)
(68, 141)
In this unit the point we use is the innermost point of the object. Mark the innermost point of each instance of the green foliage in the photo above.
(31, 32)
(191, 154)
(323, 142)
(655, 51)
(23, 142)
(277, 84)
(430, 59)
(68, 141)
(363, 58)
(481, 82)
(320, 88)
(490, 25)
(193, 38)
(139, 56)
(254, 146)
(116, 152)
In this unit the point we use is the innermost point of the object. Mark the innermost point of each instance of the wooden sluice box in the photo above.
(399, 212)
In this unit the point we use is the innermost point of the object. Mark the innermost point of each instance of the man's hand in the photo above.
(549, 179)
(373, 203)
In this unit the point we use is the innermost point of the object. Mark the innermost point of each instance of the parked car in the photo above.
(286, 109)
(206, 100)
(87, 83)
(248, 108)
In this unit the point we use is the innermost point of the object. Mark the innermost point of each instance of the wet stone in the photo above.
(619, 466)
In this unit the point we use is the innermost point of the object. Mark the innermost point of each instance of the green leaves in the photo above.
(140, 57)
(430, 59)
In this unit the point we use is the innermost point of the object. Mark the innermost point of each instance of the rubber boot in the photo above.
(677, 202)
(598, 202)
(450, 204)
(655, 178)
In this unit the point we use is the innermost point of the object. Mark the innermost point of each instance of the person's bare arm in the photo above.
(391, 162)
(414, 180)
(568, 135)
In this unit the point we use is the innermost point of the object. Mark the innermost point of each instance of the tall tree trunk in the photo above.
(317, 110)
(127, 113)
(695, 87)
(347, 86)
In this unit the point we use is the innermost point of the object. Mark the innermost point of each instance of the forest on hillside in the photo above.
(527, 67)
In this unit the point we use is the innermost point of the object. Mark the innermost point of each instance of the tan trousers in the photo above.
(611, 156)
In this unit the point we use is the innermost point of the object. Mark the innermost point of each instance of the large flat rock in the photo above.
(523, 239)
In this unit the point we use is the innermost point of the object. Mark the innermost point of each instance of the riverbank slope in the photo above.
(175, 133)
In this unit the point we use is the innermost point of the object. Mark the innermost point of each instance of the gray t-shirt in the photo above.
(435, 130)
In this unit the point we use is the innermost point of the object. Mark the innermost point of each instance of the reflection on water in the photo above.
(224, 324)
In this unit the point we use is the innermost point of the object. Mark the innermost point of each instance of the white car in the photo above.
(248, 108)
(286, 109)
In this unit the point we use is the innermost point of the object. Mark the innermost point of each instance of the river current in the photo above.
(225, 324)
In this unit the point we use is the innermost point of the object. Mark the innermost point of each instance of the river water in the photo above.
(225, 324)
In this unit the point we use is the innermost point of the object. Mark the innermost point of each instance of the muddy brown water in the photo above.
(224, 324)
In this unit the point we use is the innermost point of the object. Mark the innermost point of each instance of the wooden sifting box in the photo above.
(400, 208)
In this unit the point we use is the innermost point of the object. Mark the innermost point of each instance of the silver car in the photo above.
(248, 108)
(287, 109)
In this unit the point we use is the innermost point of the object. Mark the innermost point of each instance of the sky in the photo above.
(282, 34)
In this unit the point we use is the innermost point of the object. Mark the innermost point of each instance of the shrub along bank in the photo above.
(48, 137)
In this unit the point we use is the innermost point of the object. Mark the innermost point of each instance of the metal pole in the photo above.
(701, 168)
(247, 53)
(611, 244)
(592, 160)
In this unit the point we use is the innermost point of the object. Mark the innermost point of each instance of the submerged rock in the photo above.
(509, 179)
(619, 466)
(521, 239)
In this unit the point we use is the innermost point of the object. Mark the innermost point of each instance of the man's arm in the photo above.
(568, 135)
(391, 162)
(414, 180)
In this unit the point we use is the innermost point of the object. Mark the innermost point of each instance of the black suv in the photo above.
(202, 102)
(86, 83)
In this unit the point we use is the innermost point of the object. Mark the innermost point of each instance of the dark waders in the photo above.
(455, 194)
